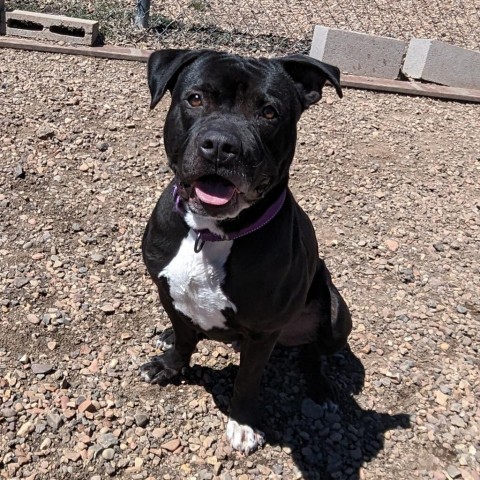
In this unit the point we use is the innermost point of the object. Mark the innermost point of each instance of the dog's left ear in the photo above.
(163, 69)
(310, 76)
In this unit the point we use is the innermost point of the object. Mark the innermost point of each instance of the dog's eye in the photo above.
(195, 100)
(269, 113)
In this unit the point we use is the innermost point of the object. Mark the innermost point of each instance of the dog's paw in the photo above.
(166, 339)
(243, 437)
(157, 372)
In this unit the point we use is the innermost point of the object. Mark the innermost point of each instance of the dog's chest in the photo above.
(195, 282)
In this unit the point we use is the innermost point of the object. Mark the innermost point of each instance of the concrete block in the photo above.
(51, 27)
(439, 62)
(358, 53)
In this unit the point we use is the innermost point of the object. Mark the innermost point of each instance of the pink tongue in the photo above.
(213, 192)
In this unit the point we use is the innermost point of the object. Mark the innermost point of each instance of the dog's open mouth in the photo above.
(214, 190)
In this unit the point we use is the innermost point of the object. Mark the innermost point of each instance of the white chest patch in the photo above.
(195, 281)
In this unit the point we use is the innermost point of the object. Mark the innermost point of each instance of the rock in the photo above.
(159, 432)
(87, 406)
(453, 471)
(71, 455)
(7, 412)
(141, 419)
(406, 275)
(24, 359)
(461, 309)
(392, 245)
(217, 468)
(171, 445)
(24, 430)
(41, 368)
(441, 398)
(19, 172)
(21, 282)
(98, 258)
(108, 454)
(54, 421)
(110, 470)
(107, 308)
(45, 132)
(33, 319)
(310, 409)
(45, 443)
(102, 146)
(206, 475)
(93, 367)
(40, 427)
(457, 421)
(107, 440)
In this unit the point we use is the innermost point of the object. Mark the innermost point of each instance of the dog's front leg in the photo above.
(163, 368)
(244, 411)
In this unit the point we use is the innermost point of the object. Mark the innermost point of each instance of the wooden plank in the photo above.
(411, 88)
(349, 81)
(108, 51)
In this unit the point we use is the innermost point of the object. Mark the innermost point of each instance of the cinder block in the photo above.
(439, 62)
(358, 53)
(51, 27)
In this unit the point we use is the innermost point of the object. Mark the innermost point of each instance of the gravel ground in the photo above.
(268, 26)
(392, 185)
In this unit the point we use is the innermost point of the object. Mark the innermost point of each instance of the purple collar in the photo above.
(206, 235)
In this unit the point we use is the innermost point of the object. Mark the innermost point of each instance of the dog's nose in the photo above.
(219, 146)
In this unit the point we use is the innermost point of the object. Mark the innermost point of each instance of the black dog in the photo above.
(233, 255)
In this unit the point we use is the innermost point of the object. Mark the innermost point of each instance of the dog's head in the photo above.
(230, 132)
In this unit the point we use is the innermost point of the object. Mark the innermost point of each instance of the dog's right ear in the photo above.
(163, 69)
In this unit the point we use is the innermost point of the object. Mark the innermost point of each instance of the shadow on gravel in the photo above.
(325, 443)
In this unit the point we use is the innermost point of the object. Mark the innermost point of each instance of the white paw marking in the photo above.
(243, 437)
(162, 345)
(146, 376)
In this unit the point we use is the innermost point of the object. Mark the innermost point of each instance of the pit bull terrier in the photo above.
(234, 257)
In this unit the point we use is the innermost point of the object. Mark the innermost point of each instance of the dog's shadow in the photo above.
(325, 442)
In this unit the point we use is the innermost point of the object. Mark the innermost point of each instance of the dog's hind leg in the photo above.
(320, 388)
(335, 322)
(333, 328)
